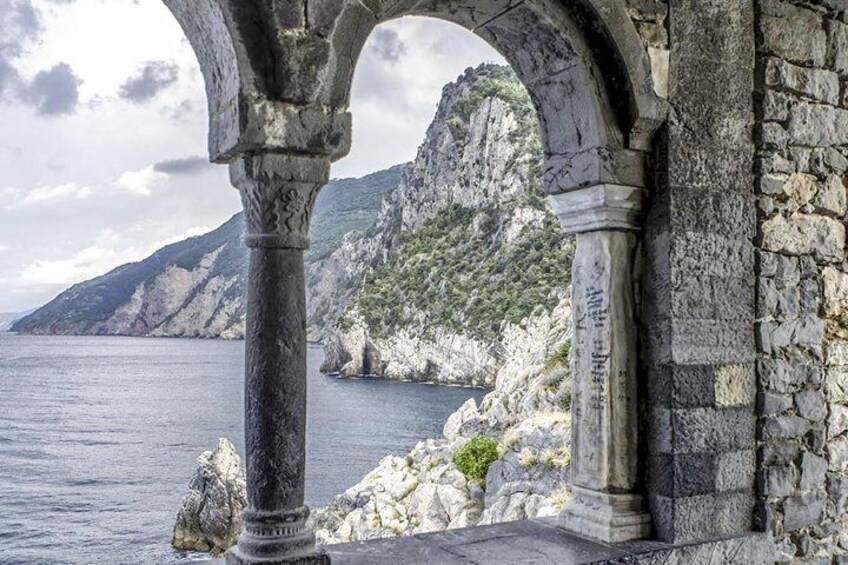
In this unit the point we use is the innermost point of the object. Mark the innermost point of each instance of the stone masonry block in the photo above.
(779, 481)
(703, 110)
(700, 341)
(780, 376)
(659, 430)
(802, 234)
(792, 32)
(813, 472)
(785, 426)
(684, 386)
(735, 385)
(730, 214)
(817, 125)
(803, 510)
(681, 475)
(769, 403)
(707, 254)
(685, 519)
(775, 106)
(836, 385)
(810, 405)
(837, 47)
(694, 518)
(707, 429)
(817, 84)
(779, 452)
(837, 420)
(692, 166)
(734, 512)
(835, 286)
(837, 353)
(735, 470)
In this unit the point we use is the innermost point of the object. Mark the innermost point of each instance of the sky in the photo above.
(103, 154)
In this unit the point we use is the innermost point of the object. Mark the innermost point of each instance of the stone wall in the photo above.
(699, 289)
(802, 289)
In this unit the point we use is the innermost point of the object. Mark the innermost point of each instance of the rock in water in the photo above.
(210, 517)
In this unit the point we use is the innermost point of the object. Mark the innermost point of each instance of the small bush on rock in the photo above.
(473, 458)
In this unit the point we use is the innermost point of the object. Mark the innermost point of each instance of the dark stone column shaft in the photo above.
(275, 392)
(278, 192)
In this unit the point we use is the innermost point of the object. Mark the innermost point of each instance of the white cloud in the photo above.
(45, 194)
(109, 250)
(140, 182)
(3, 248)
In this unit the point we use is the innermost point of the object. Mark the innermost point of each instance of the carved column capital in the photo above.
(599, 207)
(278, 193)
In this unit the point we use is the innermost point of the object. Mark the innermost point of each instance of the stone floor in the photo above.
(539, 542)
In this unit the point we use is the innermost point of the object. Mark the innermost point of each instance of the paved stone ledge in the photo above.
(539, 542)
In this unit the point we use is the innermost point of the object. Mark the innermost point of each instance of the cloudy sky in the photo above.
(103, 146)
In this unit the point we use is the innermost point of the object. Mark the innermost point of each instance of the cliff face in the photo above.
(192, 288)
(462, 249)
(197, 287)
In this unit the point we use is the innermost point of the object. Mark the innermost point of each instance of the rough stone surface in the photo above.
(540, 542)
(210, 516)
(424, 491)
(802, 289)
(805, 234)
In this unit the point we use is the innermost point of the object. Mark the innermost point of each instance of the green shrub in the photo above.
(473, 458)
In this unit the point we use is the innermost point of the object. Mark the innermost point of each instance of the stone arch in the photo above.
(594, 96)
(278, 75)
(584, 66)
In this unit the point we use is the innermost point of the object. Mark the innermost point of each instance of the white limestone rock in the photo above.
(527, 413)
(210, 516)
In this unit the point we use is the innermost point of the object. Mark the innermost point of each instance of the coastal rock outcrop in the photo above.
(210, 516)
(527, 415)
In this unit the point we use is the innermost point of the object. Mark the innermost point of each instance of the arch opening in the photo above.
(597, 112)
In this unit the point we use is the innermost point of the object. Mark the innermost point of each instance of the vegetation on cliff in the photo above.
(464, 269)
(455, 273)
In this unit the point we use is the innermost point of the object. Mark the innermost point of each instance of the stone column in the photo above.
(278, 192)
(604, 463)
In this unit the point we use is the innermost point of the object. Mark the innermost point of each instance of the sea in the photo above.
(99, 437)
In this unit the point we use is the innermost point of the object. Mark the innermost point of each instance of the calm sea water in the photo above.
(99, 437)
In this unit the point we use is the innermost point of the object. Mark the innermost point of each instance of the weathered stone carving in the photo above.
(278, 192)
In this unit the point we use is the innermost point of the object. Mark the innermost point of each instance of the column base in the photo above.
(234, 558)
(276, 538)
(612, 518)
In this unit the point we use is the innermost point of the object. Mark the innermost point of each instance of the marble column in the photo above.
(278, 192)
(604, 468)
